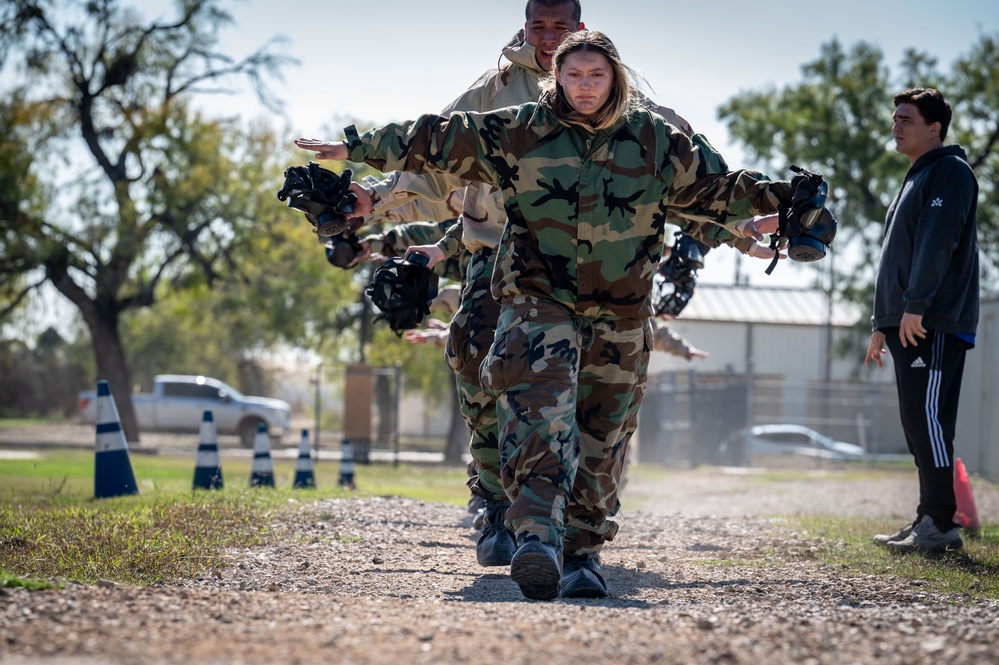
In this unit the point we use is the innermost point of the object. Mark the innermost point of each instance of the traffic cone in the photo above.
(262, 471)
(967, 513)
(304, 476)
(346, 478)
(112, 467)
(208, 464)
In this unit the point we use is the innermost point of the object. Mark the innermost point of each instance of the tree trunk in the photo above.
(102, 322)
(458, 434)
(111, 367)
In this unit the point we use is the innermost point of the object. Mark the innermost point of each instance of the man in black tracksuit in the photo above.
(926, 307)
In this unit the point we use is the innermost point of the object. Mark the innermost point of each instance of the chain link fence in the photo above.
(687, 416)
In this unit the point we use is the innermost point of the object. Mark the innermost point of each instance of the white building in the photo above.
(784, 334)
(766, 330)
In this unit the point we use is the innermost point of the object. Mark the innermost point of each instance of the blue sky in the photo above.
(395, 59)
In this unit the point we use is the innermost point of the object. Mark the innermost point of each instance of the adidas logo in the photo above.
(937, 203)
(917, 363)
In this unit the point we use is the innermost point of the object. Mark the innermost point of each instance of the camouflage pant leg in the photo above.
(612, 380)
(532, 368)
(478, 408)
(632, 425)
(469, 338)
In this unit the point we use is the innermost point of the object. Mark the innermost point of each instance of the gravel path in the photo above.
(699, 575)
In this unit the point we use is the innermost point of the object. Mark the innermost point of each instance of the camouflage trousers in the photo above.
(568, 391)
(469, 338)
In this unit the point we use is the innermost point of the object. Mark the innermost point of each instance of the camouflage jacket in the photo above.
(586, 213)
(482, 219)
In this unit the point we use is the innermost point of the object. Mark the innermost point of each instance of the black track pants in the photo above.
(928, 377)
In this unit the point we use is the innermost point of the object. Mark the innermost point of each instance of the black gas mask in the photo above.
(403, 290)
(673, 283)
(804, 221)
(322, 195)
(342, 249)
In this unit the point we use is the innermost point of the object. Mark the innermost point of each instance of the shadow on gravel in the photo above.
(626, 587)
(961, 560)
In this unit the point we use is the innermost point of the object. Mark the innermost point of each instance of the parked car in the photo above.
(741, 448)
(178, 402)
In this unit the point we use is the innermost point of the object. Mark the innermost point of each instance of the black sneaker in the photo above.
(537, 569)
(581, 577)
(496, 544)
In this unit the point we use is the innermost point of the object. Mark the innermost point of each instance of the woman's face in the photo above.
(587, 79)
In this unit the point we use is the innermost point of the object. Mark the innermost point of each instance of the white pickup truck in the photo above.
(178, 402)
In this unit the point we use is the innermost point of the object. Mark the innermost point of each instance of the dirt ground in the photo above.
(704, 570)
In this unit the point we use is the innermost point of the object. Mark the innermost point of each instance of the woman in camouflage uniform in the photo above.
(587, 178)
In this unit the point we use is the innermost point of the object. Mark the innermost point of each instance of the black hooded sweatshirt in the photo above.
(929, 254)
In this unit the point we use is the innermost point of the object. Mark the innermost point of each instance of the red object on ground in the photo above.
(967, 513)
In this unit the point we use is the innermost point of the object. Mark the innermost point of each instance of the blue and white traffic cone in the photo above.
(208, 464)
(112, 467)
(304, 475)
(262, 471)
(346, 478)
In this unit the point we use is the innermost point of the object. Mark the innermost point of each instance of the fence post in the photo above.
(398, 411)
(315, 432)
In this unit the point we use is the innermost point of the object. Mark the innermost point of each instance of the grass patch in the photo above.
(51, 527)
(973, 570)
(9, 580)
(130, 540)
(68, 474)
(28, 422)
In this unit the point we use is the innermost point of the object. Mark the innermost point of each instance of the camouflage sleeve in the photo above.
(704, 191)
(667, 341)
(418, 210)
(465, 145)
(709, 234)
(713, 235)
(422, 197)
(452, 244)
(447, 301)
(397, 239)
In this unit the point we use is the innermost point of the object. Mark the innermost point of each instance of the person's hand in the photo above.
(364, 203)
(758, 251)
(435, 324)
(363, 255)
(433, 253)
(696, 353)
(336, 150)
(758, 227)
(415, 336)
(910, 328)
(876, 348)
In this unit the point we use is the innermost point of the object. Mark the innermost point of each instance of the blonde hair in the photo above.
(622, 90)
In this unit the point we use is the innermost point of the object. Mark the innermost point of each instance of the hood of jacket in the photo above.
(519, 52)
(937, 153)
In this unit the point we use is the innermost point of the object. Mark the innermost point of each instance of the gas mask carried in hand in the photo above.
(322, 195)
(804, 221)
(403, 290)
(342, 249)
